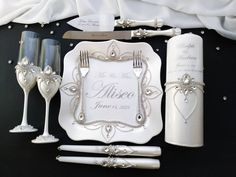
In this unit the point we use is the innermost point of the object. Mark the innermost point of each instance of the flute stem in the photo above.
(45, 132)
(25, 110)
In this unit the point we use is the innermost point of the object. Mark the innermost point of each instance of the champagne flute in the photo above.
(26, 73)
(48, 82)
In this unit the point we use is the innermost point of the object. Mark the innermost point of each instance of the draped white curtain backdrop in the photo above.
(36, 11)
(219, 15)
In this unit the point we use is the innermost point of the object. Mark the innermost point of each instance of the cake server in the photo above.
(106, 22)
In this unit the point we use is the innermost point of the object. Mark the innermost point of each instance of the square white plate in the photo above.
(111, 93)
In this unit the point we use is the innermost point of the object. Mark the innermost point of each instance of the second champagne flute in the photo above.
(48, 82)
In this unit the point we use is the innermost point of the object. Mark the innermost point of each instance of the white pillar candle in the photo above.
(184, 91)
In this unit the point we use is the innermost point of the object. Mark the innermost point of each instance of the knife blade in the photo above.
(126, 35)
(115, 150)
(106, 22)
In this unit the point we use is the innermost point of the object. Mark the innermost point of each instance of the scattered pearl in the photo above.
(57, 24)
(26, 26)
(217, 48)
(10, 62)
(224, 98)
(9, 27)
(71, 44)
(202, 32)
(51, 32)
(166, 41)
(42, 25)
(157, 50)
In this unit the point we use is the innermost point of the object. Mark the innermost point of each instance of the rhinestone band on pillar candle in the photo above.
(184, 91)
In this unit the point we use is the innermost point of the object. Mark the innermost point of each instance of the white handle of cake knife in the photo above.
(125, 23)
(141, 163)
(116, 150)
(142, 33)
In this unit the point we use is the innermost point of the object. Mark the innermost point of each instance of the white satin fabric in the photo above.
(219, 15)
(88, 7)
(36, 11)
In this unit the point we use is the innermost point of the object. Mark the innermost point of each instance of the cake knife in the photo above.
(126, 35)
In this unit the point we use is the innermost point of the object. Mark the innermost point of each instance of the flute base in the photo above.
(43, 139)
(23, 129)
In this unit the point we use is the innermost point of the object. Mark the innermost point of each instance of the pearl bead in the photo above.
(224, 98)
(10, 62)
